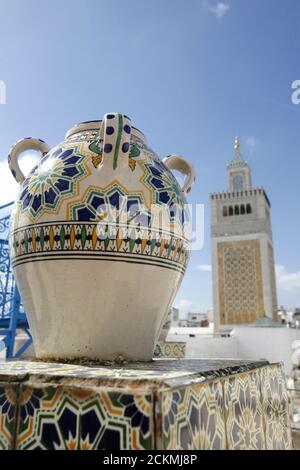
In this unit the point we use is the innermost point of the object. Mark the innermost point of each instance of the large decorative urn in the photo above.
(99, 241)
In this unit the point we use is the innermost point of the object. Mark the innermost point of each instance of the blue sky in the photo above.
(190, 74)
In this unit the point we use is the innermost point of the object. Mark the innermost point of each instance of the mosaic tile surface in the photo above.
(8, 402)
(74, 418)
(192, 417)
(164, 404)
(243, 412)
(275, 408)
(180, 419)
(211, 409)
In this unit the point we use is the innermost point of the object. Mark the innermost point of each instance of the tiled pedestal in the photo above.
(166, 404)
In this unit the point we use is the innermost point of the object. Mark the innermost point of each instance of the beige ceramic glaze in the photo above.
(99, 241)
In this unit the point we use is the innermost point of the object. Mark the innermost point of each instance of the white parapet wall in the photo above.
(211, 347)
(272, 344)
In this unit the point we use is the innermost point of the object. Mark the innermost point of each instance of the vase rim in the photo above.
(96, 124)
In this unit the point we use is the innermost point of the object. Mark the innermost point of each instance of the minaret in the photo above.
(244, 287)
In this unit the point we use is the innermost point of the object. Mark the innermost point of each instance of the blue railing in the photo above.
(12, 315)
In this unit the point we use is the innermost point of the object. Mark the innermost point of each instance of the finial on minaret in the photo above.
(237, 159)
(237, 144)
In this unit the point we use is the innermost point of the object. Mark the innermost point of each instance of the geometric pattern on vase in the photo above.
(89, 135)
(55, 177)
(8, 407)
(78, 418)
(163, 187)
(111, 204)
(243, 412)
(193, 417)
(166, 189)
(96, 144)
(84, 238)
(60, 173)
(275, 404)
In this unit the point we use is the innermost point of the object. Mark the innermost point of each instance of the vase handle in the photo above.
(116, 131)
(29, 143)
(177, 162)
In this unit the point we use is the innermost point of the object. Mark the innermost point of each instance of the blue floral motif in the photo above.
(8, 400)
(55, 176)
(138, 415)
(30, 401)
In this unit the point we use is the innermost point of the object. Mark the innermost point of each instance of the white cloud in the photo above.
(8, 185)
(204, 267)
(219, 9)
(287, 281)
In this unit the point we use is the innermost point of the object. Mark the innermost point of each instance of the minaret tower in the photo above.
(244, 287)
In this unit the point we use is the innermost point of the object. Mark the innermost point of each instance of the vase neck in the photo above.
(96, 125)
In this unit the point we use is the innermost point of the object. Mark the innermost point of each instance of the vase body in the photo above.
(98, 243)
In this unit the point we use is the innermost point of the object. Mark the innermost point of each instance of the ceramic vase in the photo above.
(99, 241)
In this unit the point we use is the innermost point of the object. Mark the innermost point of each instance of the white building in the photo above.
(197, 320)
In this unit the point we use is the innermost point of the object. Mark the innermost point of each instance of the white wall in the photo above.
(272, 344)
(213, 347)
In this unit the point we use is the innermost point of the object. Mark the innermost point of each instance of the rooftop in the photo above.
(266, 322)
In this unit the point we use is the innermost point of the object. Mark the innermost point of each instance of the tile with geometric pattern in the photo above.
(211, 409)
(192, 417)
(8, 408)
(243, 412)
(78, 418)
(166, 404)
(170, 349)
(180, 419)
(275, 408)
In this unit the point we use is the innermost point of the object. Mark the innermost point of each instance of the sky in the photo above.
(191, 75)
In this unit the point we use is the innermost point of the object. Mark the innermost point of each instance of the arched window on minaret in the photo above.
(249, 209)
(225, 211)
(242, 210)
(230, 210)
(238, 184)
(236, 210)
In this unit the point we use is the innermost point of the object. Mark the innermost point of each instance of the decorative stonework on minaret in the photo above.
(244, 287)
